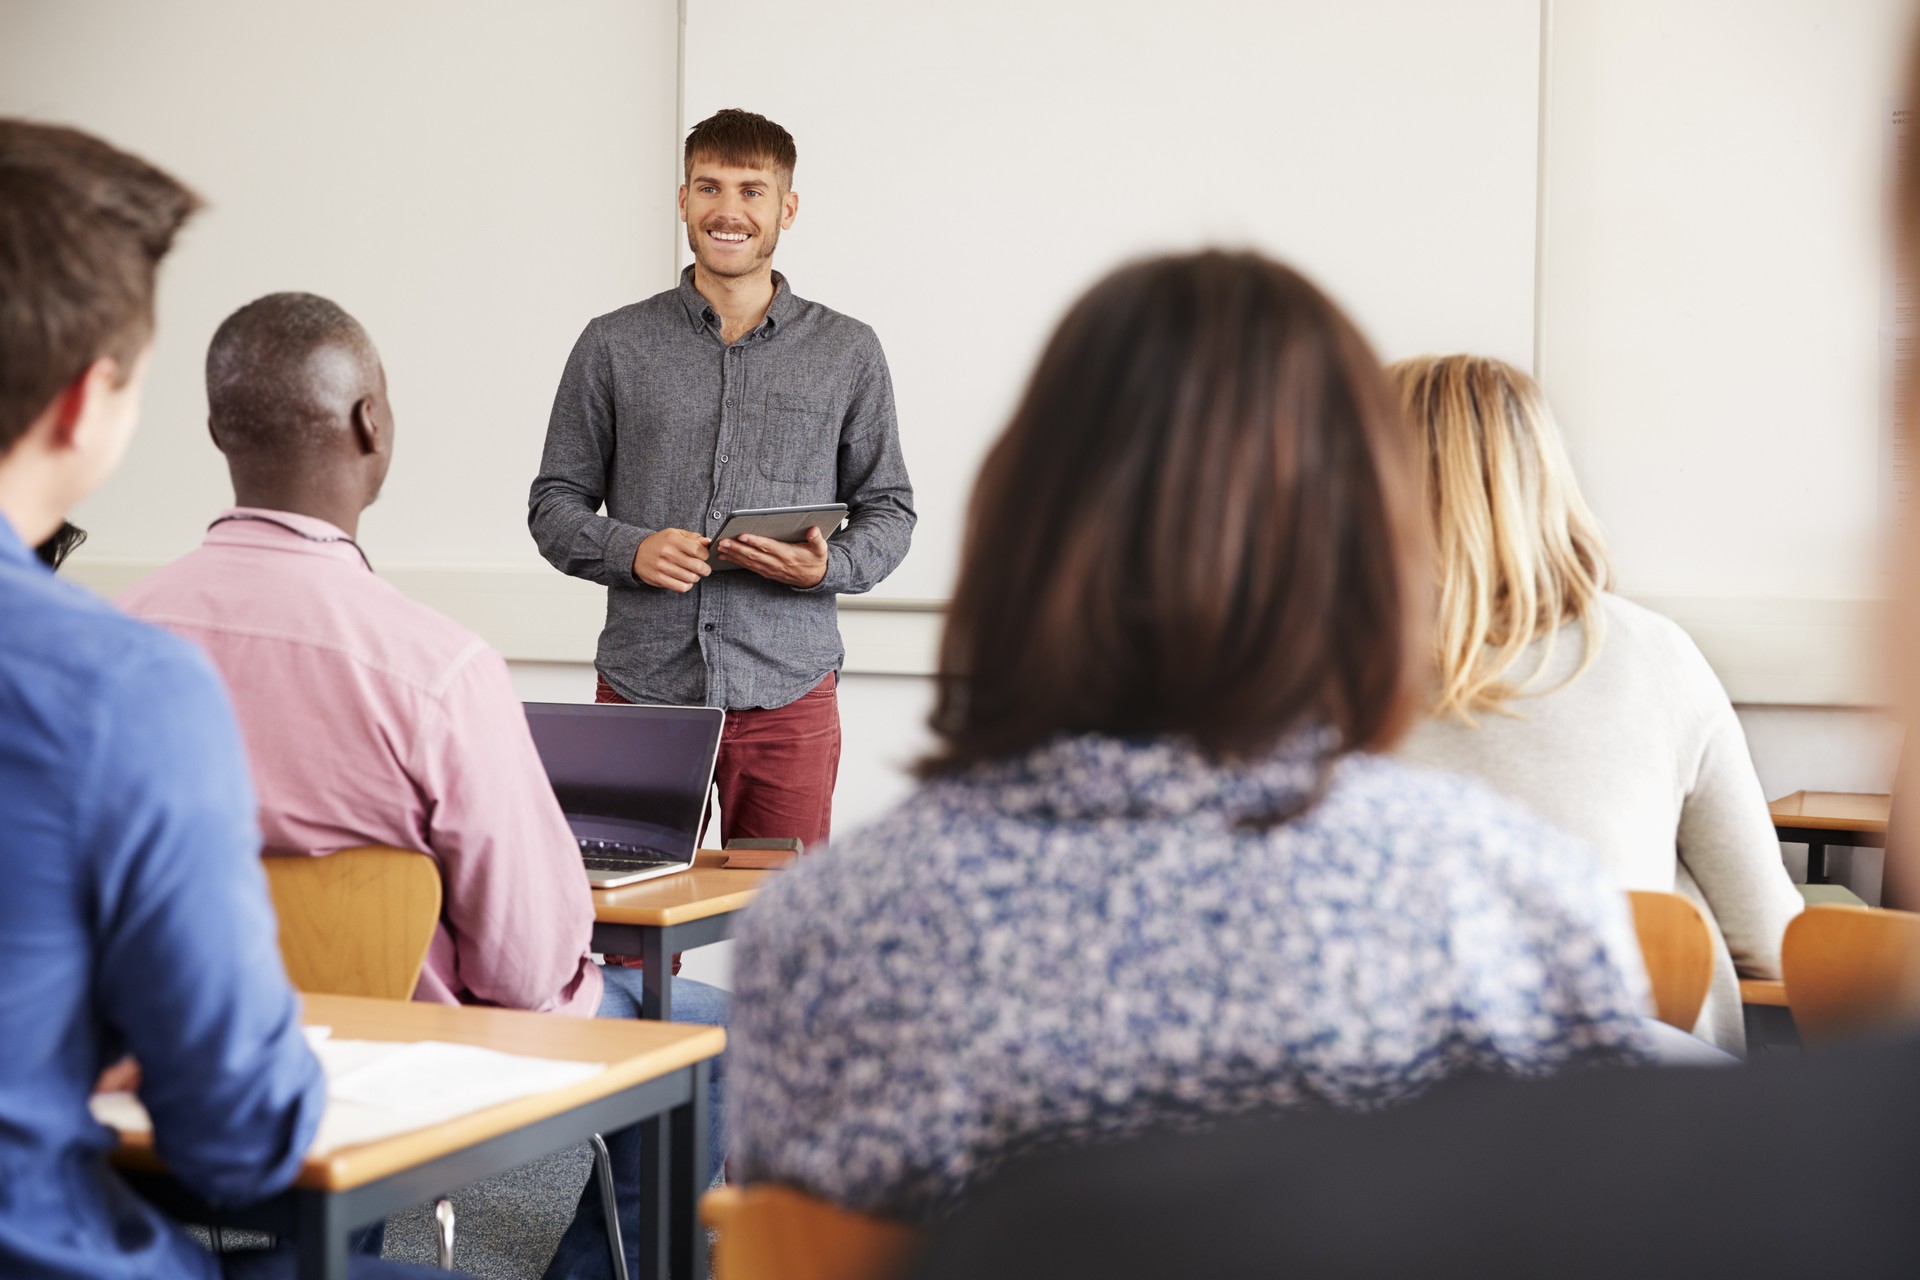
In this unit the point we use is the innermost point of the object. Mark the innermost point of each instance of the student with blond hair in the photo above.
(1600, 715)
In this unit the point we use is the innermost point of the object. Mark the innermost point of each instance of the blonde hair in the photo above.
(1518, 554)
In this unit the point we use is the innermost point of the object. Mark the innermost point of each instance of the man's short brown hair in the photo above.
(1203, 522)
(744, 140)
(83, 226)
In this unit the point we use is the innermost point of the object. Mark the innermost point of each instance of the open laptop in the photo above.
(632, 780)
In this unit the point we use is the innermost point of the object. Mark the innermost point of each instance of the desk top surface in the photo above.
(1832, 811)
(707, 889)
(635, 1051)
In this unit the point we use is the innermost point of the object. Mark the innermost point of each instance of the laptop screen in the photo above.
(638, 775)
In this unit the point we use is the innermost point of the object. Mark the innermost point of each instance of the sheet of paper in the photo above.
(378, 1088)
(431, 1076)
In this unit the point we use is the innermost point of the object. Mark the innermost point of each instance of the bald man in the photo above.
(370, 719)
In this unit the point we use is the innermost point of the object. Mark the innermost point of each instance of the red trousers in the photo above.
(777, 766)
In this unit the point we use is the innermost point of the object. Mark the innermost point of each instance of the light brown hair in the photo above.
(1202, 521)
(1519, 555)
(744, 140)
(83, 227)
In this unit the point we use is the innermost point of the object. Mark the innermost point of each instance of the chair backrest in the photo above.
(357, 922)
(1851, 971)
(1677, 944)
(769, 1232)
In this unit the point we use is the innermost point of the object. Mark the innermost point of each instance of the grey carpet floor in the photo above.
(504, 1228)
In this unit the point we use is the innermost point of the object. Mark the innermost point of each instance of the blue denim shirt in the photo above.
(134, 918)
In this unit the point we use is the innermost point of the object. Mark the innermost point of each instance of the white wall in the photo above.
(1709, 332)
(966, 170)
(476, 178)
(472, 179)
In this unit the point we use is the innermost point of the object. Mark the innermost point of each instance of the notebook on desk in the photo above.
(632, 780)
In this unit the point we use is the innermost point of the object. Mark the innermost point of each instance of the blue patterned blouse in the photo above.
(1104, 935)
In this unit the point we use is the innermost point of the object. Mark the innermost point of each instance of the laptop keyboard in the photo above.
(610, 855)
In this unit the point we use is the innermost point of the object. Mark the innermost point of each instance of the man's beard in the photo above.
(695, 236)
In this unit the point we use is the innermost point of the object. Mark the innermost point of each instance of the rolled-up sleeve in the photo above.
(563, 507)
(873, 483)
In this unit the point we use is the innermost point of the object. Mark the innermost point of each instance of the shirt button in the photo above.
(716, 515)
(709, 626)
(723, 458)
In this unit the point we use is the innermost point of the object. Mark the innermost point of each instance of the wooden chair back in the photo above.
(357, 922)
(1677, 944)
(1852, 971)
(769, 1232)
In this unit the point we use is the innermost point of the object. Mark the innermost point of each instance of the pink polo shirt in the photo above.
(371, 719)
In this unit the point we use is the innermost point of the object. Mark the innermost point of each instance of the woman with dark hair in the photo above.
(1156, 871)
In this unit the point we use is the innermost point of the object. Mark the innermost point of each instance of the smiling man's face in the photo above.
(734, 216)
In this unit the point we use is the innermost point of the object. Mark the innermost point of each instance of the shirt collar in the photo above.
(259, 526)
(701, 314)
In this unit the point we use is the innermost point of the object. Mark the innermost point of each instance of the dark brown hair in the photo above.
(1202, 521)
(64, 542)
(82, 228)
(745, 140)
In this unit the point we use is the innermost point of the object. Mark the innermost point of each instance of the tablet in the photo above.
(782, 524)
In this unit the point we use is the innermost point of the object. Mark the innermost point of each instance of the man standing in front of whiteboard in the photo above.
(725, 393)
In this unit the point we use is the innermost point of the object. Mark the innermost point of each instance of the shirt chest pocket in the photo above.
(801, 441)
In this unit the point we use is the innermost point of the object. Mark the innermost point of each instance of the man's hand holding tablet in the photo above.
(797, 564)
(787, 545)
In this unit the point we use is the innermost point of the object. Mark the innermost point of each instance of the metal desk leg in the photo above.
(655, 1199)
(321, 1240)
(656, 980)
(609, 1207)
(1816, 862)
(688, 1178)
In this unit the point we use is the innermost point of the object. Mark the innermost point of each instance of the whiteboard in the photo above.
(494, 173)
(1709, 333)
(966, 170)
(473, 179)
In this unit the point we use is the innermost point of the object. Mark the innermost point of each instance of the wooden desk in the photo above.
(1820, 818)
(657, 918)
(657, 1075)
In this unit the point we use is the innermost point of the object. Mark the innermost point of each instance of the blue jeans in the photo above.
(582, 1254)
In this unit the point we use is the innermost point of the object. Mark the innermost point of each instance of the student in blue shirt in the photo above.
(134, 917)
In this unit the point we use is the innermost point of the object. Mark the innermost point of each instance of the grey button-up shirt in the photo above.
(671, 428)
